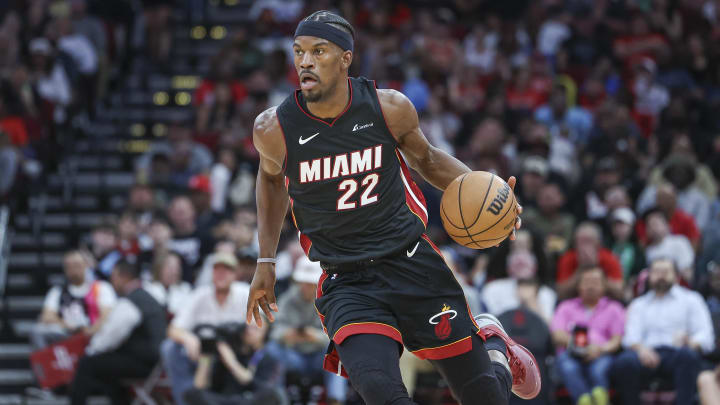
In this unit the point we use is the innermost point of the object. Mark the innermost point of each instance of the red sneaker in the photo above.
(523, 367)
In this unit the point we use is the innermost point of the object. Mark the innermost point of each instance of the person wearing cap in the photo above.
(535, 171)
(297, 337)
(224, 301)
(624, 243)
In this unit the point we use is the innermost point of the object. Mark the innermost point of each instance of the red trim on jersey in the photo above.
(319, 291)
(375, 328)
(347, 107)
(306, 243)
(287, 182)
(284, 165)
(435, 248)
(453, 349)
(414, 198)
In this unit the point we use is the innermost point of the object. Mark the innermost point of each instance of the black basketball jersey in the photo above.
(351, 194)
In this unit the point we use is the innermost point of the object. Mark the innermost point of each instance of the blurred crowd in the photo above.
(605, 111)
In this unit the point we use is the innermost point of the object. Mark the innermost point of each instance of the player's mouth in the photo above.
(307, 81)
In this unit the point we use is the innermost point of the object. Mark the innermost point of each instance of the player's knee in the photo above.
(376, 385)
(483, 389)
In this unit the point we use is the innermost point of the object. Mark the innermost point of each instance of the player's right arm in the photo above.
(272, 204)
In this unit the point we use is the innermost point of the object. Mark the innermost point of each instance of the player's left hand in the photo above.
(518, 221)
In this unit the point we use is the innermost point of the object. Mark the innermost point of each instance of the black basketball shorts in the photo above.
(411, 297)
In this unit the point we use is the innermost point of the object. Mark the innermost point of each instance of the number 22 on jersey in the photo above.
(350, 186)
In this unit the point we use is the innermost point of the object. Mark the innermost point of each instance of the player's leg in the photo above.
(474, 378)
(372, 362)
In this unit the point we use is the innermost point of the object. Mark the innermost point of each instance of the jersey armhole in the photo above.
(282, 131)
(377, 97)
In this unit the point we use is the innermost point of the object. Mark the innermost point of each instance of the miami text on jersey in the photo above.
(344, 164)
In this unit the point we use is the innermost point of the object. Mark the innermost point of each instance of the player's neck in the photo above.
(332, 105)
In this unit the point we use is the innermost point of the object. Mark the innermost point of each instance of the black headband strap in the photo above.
(325, 31)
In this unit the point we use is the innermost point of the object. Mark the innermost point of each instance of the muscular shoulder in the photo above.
(267, 124)
(399, 112)
(268, 136)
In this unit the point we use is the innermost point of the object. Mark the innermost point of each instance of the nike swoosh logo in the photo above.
(411, 253)
(306, 140)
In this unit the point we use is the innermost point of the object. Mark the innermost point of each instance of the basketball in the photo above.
(478, 210)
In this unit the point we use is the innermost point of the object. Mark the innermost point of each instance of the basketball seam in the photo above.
(462, 217)
(501, 218)
(447, 217)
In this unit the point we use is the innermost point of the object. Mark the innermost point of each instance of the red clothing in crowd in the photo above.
(680, 224)
(568, 265)
(207, 87)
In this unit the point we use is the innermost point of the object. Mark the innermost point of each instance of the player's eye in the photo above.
(319, 51)
(298, 52)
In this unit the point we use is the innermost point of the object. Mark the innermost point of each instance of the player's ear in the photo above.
(346, 59)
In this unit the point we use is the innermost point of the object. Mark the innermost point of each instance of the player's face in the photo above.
(320, 65)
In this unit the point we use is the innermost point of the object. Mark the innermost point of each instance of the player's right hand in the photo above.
(262, 294)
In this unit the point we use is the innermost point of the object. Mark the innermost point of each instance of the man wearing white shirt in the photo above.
(666, 330)
(663, 244)
(126, 345)
(224, 301)
(80, 304)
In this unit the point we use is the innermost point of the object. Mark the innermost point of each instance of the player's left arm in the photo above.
(435, 165)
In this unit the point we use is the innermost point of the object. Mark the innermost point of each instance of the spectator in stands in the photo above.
(187, 240)
(221, 174)
(472, 295)
(535, 171)
(663, 244)
(624, 245)
(50, 80)
(218, 98)
(667, 345)
(83, 53)
(157, 244)
(587, 331)
(200, 195)
(127, 234)
(588, 251)
(297, 337)
(559, 114)
(680, 222)
(224, 301)
(103, 249)
(521, 289)
(9, 165)
(186, 158)
(603, 176)
(237, 370)
(553, 225)
(167, 286)
(141, 202)
(126, 345)
(78, 305)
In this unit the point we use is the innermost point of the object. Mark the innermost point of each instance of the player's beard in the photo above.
(312, 96)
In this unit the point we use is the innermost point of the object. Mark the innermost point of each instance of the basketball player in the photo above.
(335, 151)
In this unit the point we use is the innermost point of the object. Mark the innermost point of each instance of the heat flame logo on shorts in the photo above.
(441, 321)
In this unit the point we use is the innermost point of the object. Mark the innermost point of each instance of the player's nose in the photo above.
(306, 62)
